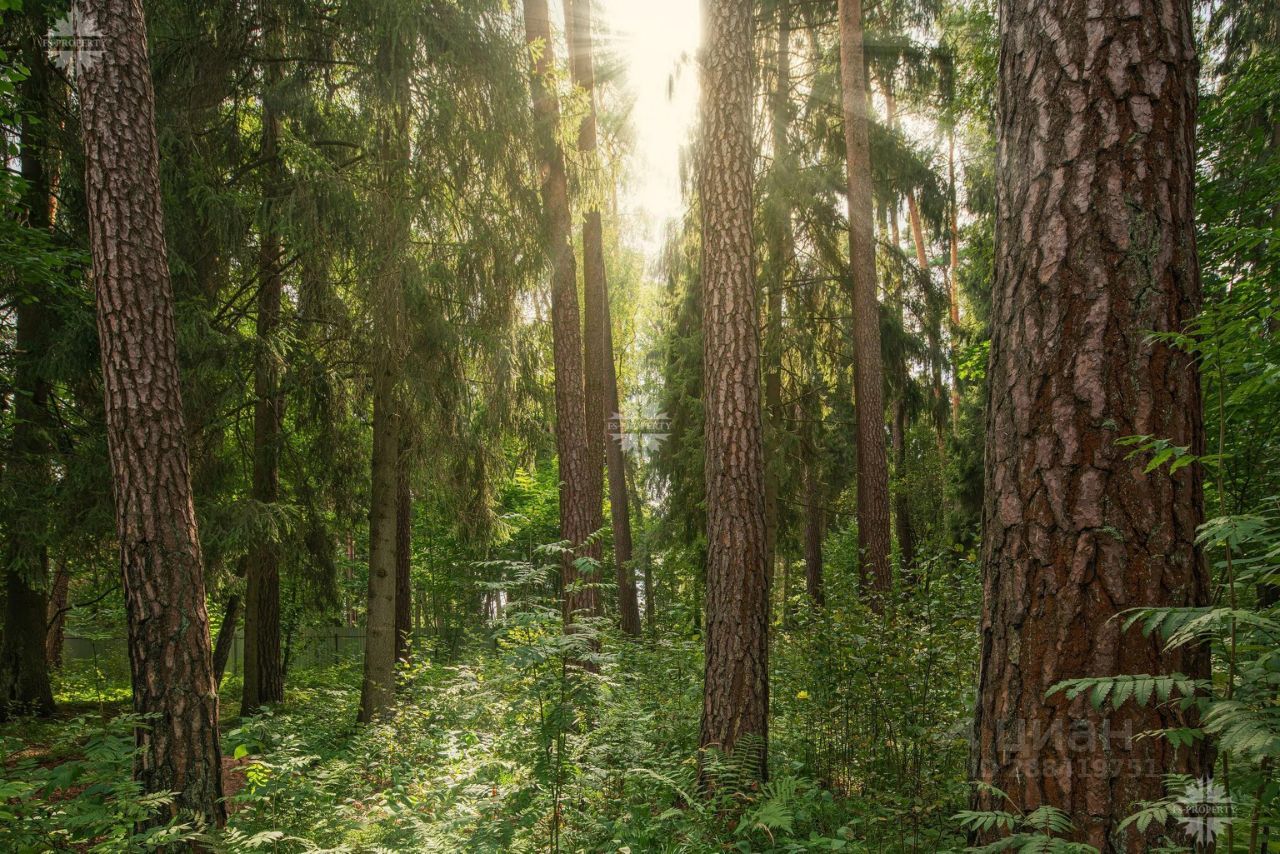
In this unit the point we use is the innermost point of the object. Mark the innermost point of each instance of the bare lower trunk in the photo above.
(160, 556)
(57, 622)
(1095, 248)
(736, 691)
(873, 467)
(404, 555)
(581, 595)
(226, 639)
(602, 377)
(263, 678)
(24, 667)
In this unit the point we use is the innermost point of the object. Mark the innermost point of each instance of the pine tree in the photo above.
(159, 546)
(1095, 250)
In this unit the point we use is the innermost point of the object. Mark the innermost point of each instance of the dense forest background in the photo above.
(374, 477)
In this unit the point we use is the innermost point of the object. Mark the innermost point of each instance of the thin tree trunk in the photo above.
(263, 679)
(404, 554)
(601, 372)
(378, 688)
(1095, 248)
(24, 667)
(160, 556)
(873, 469)
(576, 515)
(736, 691)
(226, 640)
(814, 505)
(953, 271)
(57, 619)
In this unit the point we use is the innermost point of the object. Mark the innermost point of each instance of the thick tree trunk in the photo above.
(601, 373)
(404, 555)
(1095, 248)
(263, 679)
(576, 492)
(873, 467)
(159, 547)
(736, 691)
(24, 668)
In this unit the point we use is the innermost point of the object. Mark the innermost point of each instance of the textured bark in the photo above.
(160, 556)
(571, 420)
(1095, 247)
(404, 554)
(736, 692)
(601, 374)
(56, 624)
(24, 668)
(263, 679)
(873, 467)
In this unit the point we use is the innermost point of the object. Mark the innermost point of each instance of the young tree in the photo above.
(873, 467)
(735, 700)
(263, 678)
(576, 494)
(393, 60)
(155, 519)
(1095, 249)
(601, 374)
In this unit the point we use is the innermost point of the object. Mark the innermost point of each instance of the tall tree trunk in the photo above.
(735, 701)
(24, 667)
(1095, 248)
(953, 271)
(160, 556)
(395, 56)
(779, 239)
(263, 679)
(576, 491)
(873, 467)
(601, 373)
(814, 505)
(404, 555)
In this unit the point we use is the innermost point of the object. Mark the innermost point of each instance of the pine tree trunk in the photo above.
(404, 555)
(953, 271)
(873, 467)
(263, 680)
(1095, 249)
(778, 236)
(393, 64)
(602, 375)
(159, 547)
(576, 492)
(378, 687)
(24, 667)
(736, 691)
(57, 620)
